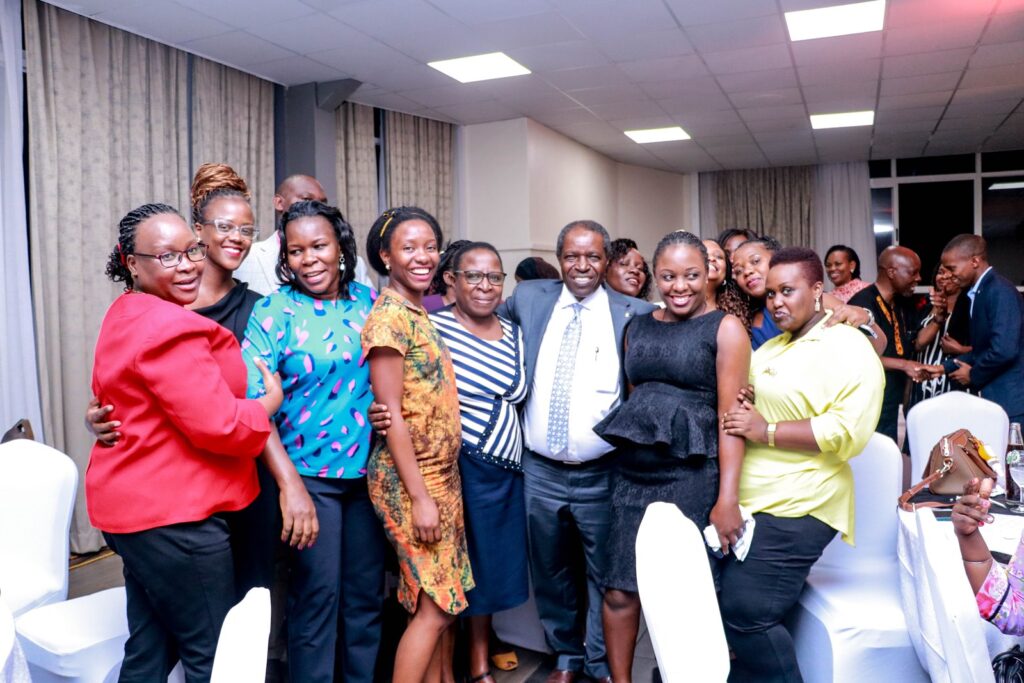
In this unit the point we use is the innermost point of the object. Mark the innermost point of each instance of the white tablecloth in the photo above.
(13, 668)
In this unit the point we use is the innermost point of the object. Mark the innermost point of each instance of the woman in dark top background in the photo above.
(692, 358)
(944, 332)
(536, 268)
(628, 272)
(721, 292)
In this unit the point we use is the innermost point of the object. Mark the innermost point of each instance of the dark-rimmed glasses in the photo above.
(226, 227)
(475, 277)
(170, 259)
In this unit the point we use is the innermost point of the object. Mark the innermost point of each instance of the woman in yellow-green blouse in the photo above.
(815, 399)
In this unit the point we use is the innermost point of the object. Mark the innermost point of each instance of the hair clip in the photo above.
(390, 215)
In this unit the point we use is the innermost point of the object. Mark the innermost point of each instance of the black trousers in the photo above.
(759, 592)
(342, 572)
(180, 584)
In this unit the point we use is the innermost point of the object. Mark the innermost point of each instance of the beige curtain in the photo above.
(770, 201)
(107, 119)
(356, 168)
(419, 168)
(233, 123)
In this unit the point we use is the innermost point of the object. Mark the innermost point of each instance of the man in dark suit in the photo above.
(995, 364)
(572, 332)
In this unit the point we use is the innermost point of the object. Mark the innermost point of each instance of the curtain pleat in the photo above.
(107, 114)
(769, 201)
(419, 165)
(233, 123)
(356, 168)
(842, 212)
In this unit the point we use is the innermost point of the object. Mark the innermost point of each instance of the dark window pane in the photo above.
(931, 214)
(881, 216)
(880, 168)
(954, 163)
(1002, 161)
(1002, 225)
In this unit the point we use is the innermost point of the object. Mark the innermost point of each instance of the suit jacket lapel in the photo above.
(540, 315)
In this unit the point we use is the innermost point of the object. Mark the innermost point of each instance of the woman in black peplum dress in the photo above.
(678, 361)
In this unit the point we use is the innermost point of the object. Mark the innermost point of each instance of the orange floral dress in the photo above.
(430, 408)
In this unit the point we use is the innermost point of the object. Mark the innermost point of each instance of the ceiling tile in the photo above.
(444, 43)
(785, 137)
(993, 76)
(296, 70)
(714, 143)
(264, 14)
(924, 63)
(916, 12)
(392, 18)
(757, 80)
(830, 73)
(987, 124)
(886, 116)
(740, 157)
(606, 94)
(758, 98)
(237, 47)
(690, 13)
(928, 99)
(1004, 28)
(664, 69)
(855, 47)
(863, 91)
(476, 12)
(592, 133)
(912, 85)
(609, 21)
(478, 112)
(994, 94)
(737, 33)
(749, 59)
(788, 123)
(630, 47)
(407, 76)
(689, 87)
(565, 117)
(90, 8)
(536, 29)
(553, 56)
(789, 111)
(642, 122)
(388, 100)
(311, 33)
(999, 54)
(917, 126)
(693, 103)
(965, 106)
(613, 111)
(329, 5)
(933, 36)
(171, 24)
(446, 96)
(528, 92)
(793, 159)
(586, 77)
(700, 128)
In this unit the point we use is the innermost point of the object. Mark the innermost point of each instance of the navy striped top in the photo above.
(491, 379)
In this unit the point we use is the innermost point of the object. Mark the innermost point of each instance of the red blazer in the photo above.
(189, 437)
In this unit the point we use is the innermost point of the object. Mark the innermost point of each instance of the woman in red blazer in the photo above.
(187, 451)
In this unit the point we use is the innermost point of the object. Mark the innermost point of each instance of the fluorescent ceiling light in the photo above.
(1007, 186)
(480, 67)
(842, 120)
(657, 135)
(840, 20)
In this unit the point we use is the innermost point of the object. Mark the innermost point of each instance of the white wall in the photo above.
(520, 182)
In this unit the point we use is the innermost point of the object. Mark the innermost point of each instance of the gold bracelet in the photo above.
(772, 426)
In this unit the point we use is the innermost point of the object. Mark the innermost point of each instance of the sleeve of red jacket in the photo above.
(188, 384)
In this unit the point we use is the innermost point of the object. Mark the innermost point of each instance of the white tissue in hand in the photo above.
(742, 546)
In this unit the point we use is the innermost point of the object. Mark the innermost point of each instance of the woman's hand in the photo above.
(746, 394)
(426, 520)
(299, 527)
(745, 421)
(938, 302)
(971, 509)
(728, 523)
(271, 400)
(379, 417)
(855, 316)
(951, 347)
(95, 420)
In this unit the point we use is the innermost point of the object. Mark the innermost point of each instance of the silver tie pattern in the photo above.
(558, 408)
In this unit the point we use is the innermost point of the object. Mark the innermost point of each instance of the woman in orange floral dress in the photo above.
(413, 476)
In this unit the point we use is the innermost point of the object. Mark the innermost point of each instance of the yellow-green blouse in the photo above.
(832, 376)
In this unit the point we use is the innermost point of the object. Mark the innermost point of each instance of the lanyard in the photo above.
(894, 321)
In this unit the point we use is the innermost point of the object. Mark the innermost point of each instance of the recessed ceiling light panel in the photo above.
(480, 67)
(1013, 185)
(842, 120)
(657, 135)
(839, 20)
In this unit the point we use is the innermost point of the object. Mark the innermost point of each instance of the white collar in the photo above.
(974, 289)
(597, 298)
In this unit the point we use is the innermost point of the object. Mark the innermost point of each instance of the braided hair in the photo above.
(213, 181)
(446, 263)
(383, 229)
(117, 266)
(681, 237)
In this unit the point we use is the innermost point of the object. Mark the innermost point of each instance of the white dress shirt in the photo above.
(258, 268)
(595, 387)
(973, 291)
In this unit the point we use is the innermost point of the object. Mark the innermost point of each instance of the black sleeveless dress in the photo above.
(667, 432)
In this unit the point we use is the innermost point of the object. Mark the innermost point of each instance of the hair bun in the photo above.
(212, 177)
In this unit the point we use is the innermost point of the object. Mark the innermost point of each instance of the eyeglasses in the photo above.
(226, 227)
(475, 277)
(170, 259)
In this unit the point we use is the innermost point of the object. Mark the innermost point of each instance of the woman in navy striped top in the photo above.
(487, 352)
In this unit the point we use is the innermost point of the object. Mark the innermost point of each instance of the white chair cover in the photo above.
(849, 623)
(678, 598)
(13, 667)
(242, 648)
(76, 640)
(930, 420)
(37, 496)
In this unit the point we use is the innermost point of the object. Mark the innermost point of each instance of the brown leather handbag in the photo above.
(954, 461)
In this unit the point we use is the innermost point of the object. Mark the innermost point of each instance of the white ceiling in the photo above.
(945, 76)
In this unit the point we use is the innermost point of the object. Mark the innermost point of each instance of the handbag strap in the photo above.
(904, 501)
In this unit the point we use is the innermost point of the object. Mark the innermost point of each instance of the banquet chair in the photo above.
(930, 420)
(37, 496)
(678, 598)
(848, 624)
(242, 647)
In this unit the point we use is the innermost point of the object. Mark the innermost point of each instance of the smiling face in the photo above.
(716, 264)
(413, 254)
(905, 274)
(962, 267)
(750, 268)
(583, 261)
(226, 251)
(157, 235)
(313, 254)
(626, 275)
(790, 297)
(480, 300)
(839, 267)
(681, 278)
(946, 283)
